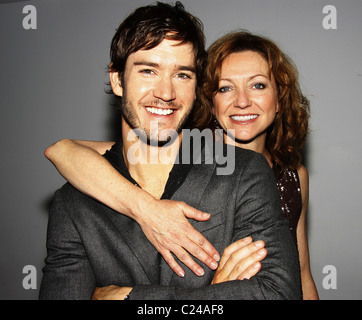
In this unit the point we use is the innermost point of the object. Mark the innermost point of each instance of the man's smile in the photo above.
(160, 111)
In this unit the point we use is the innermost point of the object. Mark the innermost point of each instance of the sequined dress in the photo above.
(290, 195)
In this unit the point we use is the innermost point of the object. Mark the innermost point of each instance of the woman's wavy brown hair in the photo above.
(286, 136)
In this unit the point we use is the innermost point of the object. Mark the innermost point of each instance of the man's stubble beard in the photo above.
(156, 137)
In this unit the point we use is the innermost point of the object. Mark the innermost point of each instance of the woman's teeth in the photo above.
(244, 118)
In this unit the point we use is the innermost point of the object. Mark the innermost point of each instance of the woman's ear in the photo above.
(116, 83)
(277, 108)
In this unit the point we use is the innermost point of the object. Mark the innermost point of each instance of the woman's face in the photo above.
(247, 98)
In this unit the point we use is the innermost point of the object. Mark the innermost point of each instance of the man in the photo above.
(156, 65)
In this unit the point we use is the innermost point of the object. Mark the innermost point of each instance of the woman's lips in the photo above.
(244, 118)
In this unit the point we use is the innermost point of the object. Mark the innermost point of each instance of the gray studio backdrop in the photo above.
(52, 86)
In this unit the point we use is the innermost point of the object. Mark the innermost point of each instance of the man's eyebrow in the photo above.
(187, 68)
(146, 63)
(156, 65)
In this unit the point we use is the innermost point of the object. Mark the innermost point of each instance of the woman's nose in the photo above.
(242, 99)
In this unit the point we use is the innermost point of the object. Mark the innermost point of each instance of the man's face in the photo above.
(159, 86)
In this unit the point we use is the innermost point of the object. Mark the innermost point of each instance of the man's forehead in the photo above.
(168, 52)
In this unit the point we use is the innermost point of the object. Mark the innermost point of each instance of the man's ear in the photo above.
(116, 83)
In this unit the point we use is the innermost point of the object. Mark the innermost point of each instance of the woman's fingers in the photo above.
(249, 266)
(185, 254)
(212, 256)
(241, 260)
(168, 229)
(232, 248)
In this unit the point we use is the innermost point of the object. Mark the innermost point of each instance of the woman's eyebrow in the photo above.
(249, 77)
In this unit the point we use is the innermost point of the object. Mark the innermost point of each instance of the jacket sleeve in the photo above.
(67, 274)
(258, 214)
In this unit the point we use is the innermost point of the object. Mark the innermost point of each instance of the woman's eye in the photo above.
(224, 89)
(259, 86)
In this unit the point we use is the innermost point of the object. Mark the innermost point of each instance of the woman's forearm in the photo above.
(84, 168)
(89, 172)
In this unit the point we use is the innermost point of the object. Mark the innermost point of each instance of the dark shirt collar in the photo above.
(176, 177)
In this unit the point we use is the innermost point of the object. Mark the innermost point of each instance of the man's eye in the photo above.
(146, 71)
(183, 76)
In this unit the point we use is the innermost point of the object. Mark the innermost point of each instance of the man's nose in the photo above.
(165, 90)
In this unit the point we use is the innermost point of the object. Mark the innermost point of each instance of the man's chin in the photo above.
(161, 138)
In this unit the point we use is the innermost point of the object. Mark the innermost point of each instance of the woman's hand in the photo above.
(164, 222)
(240, 260)
(167, 228)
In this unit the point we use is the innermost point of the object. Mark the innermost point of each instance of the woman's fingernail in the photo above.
(259, 243)
(200, 272)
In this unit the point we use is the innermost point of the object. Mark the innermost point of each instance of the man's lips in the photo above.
(160, 111)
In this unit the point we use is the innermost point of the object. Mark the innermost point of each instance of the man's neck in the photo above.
(148, 165)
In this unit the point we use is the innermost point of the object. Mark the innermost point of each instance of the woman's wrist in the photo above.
(126, 293)
(141, 206)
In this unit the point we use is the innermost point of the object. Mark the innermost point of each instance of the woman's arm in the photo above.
(308, 285)
(240, 260)
(78, 161)
(81, 163)
(258, 213)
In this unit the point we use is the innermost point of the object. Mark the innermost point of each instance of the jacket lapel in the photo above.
(142, 252)
(191, 192)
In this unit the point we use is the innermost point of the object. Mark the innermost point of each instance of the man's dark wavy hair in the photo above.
(148, 26)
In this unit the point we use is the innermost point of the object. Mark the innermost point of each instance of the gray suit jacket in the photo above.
(89, 245)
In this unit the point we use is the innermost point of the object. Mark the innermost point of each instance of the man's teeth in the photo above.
(159, 111)
(244, 118)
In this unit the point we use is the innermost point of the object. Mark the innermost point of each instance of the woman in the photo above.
(252, 90)
(251, 87)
